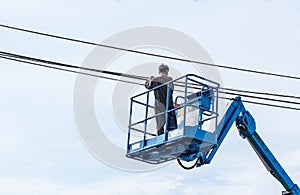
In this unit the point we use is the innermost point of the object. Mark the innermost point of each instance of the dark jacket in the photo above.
(161, 93)
(161, 102)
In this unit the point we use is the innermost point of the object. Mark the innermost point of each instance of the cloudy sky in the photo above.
(40, 146)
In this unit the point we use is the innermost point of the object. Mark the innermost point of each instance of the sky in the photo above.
(41, 149)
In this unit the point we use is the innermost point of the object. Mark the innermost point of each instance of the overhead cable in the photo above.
(223, 90)
(66, 70)
(150, 54)
(39, 63)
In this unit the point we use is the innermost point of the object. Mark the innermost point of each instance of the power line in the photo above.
(261, 93)
(124, 75)
(262, 98)
(12, 55)
(263, 104)
(223, 90)
(149, 54)
(66, 70)
(6, 55)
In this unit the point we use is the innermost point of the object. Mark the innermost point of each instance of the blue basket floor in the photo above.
(156, 150)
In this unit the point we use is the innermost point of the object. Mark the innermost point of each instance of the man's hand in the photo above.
(148, 82)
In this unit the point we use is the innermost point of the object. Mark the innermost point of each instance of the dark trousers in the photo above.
(161, 119)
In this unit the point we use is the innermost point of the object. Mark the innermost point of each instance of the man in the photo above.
(161, 99)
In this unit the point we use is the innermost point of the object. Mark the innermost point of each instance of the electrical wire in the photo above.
(6, 56)
(261, 93)
(263, 104)
(118, 74)
(67, 70)
(149, 54)
(144, 78)
(262, 98)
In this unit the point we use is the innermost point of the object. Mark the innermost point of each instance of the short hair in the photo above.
(163, 68)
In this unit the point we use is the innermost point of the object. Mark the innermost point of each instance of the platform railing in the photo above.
(183, 89)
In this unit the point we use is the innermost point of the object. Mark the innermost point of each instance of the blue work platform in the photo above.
(196, 104)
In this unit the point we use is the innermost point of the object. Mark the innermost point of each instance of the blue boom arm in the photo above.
(247, 129)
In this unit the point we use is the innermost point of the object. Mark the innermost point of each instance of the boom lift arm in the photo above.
(247, 130)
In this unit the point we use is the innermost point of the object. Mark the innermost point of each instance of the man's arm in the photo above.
(149, 83)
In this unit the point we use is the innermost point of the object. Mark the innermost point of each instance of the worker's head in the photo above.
(163, 69)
